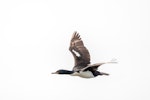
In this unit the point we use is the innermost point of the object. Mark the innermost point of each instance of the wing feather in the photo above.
(79, 51)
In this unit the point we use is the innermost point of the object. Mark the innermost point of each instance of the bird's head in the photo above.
(62, 71)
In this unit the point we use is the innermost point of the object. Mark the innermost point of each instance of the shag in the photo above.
(82, 66)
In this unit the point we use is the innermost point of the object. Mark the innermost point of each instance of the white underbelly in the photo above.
(85, 74)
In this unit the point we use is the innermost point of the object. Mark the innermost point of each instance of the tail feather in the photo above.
(102, 73)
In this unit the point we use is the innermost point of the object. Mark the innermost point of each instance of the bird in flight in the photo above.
(82, 66)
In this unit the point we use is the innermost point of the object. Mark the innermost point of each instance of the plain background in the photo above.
(35, 37)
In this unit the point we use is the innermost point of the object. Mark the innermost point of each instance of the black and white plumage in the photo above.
(82, 66)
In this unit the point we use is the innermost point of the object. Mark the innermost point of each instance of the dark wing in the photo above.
(79, 51)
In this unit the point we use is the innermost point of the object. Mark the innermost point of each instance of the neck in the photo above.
(66, 72)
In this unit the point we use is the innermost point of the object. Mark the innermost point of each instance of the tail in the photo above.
(102, 73)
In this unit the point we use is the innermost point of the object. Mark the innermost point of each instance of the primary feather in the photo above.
(79, 51)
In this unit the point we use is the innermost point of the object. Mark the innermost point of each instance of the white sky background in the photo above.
(34, 41)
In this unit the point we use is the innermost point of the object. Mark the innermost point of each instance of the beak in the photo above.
(54, 73)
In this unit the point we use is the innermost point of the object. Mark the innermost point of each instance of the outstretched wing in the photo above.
(95, 66)
(79, 51)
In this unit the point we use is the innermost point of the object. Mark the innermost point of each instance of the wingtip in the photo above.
(75, 32)
(76, 35)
